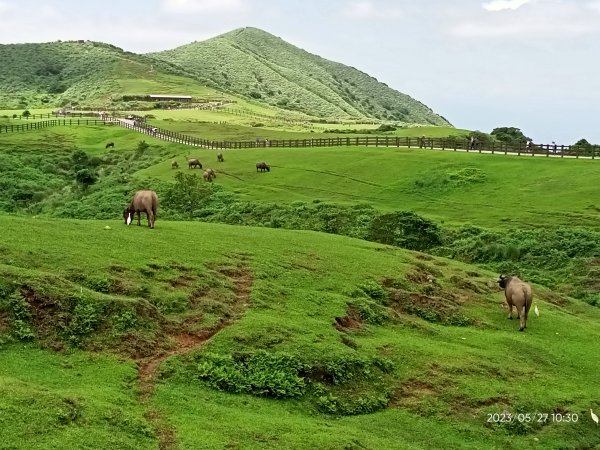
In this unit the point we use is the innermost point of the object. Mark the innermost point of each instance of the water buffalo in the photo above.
(212, 173)
(220, 157)
(518, 294)
(142, 201)
(194, 163)
(207, 176)
(174, 165)
(262, 166)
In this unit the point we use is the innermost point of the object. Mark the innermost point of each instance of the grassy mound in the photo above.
(274, 333)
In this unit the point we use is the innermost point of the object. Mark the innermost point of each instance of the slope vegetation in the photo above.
(251, 62)
(280, 339)
(85, 74)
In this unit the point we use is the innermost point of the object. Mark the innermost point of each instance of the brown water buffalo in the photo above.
(142, 201)
(194, 163)
(262, 166)
(517, 294)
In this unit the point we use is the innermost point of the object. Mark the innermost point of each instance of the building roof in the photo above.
(188, 97)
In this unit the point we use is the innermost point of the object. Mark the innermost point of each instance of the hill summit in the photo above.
(251, 62)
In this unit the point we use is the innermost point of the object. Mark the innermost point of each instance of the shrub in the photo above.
(405, 229)
(259, 373)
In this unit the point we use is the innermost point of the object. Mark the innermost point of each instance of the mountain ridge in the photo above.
(301, 81)
(246, 62)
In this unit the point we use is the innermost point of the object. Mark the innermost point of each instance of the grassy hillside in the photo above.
(317, 341)
(253, 63)
(85, 74)
(457, 188)
(494, 191)
(248, 62)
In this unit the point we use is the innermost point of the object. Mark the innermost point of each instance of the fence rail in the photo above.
(571, 151)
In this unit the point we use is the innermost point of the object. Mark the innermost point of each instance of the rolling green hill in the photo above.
(85, 74)
(244, 337)
(251, 62)
(248, 62)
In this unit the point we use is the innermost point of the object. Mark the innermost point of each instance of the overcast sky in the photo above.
(532, 64)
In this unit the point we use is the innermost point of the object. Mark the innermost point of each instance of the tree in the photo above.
(510, 135)
(86, 177)
(582, 143)
(26, 113)
(187, 194)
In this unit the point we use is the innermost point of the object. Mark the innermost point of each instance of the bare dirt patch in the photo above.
(185, 342)
(182, 281)
(350, 321)
(464, 283)
(164, 431)
(411, 392)
(444, 308)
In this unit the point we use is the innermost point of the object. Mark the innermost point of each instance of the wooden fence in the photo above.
(571, 151)
(49, 123)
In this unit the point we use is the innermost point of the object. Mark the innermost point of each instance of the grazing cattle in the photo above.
(262, 166)
(212, 173)
(207, 176)
(194, 163)
(174, 165)
(220, 157)
(142, 202)
(110, 144)
(518, 294)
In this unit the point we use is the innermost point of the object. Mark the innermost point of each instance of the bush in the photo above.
(405, 229)
(21, 316)
(259, 373)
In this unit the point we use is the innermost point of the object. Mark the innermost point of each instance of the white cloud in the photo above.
(543, 20)
(4, 7)
(368, 10)
(501, 5)
(203, 6)
(595, 6)
(522, 29)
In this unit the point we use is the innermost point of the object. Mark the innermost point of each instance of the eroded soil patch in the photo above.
(185, 342)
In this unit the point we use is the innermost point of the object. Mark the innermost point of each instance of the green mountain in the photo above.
(85, 74)
(246, 62)
(251, 62)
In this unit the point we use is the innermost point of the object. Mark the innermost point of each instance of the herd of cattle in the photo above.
(210, 174)
(518, 294)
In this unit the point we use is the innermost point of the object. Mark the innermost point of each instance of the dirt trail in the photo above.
(185, 343)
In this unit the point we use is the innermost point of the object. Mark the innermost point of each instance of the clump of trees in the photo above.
(510, 135)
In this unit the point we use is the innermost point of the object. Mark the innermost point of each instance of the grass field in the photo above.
(197, 335)
(458, 188)
(447, 367)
